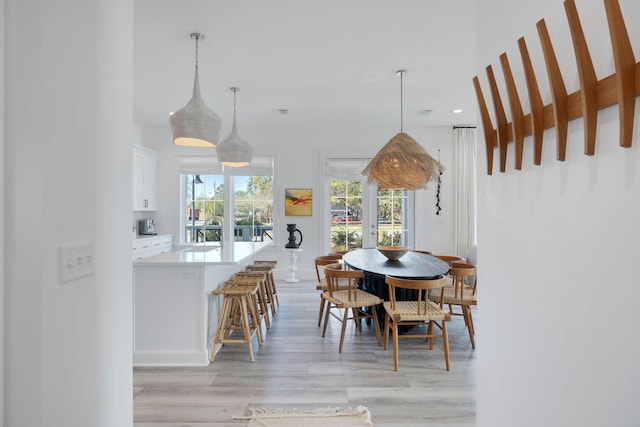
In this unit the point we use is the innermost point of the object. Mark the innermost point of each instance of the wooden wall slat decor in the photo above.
(558, 90)
(626, 73)
(501, 119)
(620, 88)
(535, 102)
(489, 132)
(588, 79)
(515, 106)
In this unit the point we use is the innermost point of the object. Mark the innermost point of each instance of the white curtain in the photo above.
(465, 189)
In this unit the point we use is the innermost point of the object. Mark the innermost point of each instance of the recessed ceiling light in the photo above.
(424, 112)
(457, 111)
(283, 111)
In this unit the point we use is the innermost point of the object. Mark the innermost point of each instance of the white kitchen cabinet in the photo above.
(144, 179)
(161, 244)
(148, 246)
(141, 248)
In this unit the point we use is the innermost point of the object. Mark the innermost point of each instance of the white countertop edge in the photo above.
(218, 256)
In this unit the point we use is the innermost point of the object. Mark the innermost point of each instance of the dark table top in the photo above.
(413, 265)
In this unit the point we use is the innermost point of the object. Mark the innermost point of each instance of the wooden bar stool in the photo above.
(273, 264)
(238, 306)
(261, 278)
(271, 287)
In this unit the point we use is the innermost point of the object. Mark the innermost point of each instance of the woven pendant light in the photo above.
(195, 125)
(402, 164)
(234, 151)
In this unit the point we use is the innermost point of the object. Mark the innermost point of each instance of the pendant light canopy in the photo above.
(195, 125)
(234, 151)
(402, 164)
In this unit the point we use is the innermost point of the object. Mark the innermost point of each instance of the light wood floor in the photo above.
(297, 368)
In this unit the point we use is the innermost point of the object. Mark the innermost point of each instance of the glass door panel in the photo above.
(391, 218)
(346, 215)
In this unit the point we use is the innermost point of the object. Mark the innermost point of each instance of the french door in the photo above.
(364, 216)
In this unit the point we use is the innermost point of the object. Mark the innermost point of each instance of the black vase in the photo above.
(292, 243)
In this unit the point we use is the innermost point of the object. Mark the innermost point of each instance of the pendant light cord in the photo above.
(401, 72)
(197, 38)
(234, 90)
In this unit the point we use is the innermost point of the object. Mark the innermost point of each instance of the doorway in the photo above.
(361, 215)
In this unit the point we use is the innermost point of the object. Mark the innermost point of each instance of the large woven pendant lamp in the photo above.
(234, 151)
(402, 164)
(195, 125)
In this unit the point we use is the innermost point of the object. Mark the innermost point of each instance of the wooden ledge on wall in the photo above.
(620, 88)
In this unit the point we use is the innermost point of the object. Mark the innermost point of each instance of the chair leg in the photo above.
(274, 291)
(376, 325)
(430, 334)
(224, 315)
(395, 346)
(326, 318)
(356, 318)
(469, 321)
(245, 325)
(256, 323)
(322, 304)
(386, 331)
(445, 339)
(270, 295)
(345, 318)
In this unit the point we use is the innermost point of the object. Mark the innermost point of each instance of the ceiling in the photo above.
(328, 62)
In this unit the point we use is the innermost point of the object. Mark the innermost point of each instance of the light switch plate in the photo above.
(76, 260)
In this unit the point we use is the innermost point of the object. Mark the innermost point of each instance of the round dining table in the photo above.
(413, 265)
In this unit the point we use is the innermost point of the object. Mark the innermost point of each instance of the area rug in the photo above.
(320, 417)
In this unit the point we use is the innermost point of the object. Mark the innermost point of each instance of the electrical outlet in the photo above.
(76, 260)
(191, 273)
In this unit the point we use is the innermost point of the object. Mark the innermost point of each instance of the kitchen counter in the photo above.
(175, 312)
(212, 254)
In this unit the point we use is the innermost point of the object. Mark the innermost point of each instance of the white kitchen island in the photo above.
(175, 314)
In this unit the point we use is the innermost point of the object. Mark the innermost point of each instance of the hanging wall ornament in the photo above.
(438, 208)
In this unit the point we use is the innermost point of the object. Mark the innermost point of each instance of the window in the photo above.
(392, 218)
(204, 207)
(361, 214)
(253, 208)
(214, 197)
(346, 215)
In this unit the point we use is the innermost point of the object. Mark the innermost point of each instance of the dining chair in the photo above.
(419, 311)
(343, 293)
(461, 291)
(450, 258)
(422, 252)
(321, 262)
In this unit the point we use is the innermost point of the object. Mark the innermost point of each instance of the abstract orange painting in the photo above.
(298, 201)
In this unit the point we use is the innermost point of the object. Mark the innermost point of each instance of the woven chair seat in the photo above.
(353, 298)
(408, 311)
(453, 297)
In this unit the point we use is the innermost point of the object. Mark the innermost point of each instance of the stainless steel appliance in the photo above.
(146, 226)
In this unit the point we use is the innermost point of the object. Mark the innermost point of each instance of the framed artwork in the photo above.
(298, 201)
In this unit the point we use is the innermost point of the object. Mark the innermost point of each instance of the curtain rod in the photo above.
(464, 127)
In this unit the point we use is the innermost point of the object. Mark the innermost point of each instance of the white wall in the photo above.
(2, 235)
(68, 124)
(558, 245)
(299, 155)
